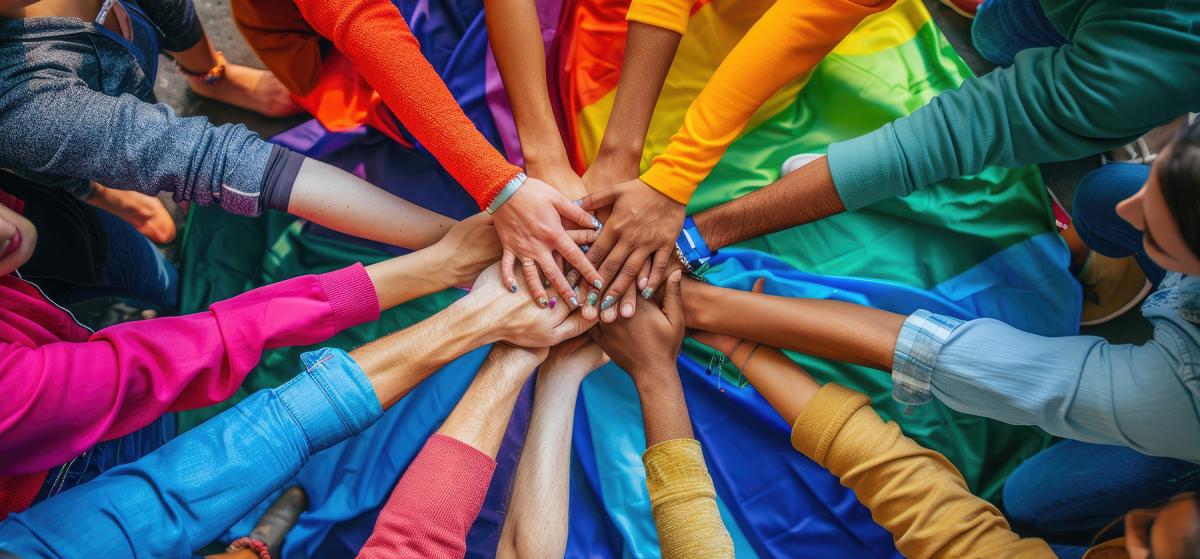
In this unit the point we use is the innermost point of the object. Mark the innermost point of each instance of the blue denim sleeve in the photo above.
(57, 125)
(181, 497)
(1077, 387)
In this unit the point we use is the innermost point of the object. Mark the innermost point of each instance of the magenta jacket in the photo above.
(64, 389)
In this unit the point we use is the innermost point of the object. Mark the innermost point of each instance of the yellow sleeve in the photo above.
(667, 14)
(786, 42)
(684, 502)
(913, 492)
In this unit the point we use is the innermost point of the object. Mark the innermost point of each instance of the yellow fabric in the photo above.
(913, 492)
(684, 502)
(667, 14)
(789, 40)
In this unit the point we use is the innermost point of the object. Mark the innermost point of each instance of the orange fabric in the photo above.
(278, 34)
(373, 35)
(343, 100)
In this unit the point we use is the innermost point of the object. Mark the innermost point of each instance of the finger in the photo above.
(583, 236)
(533, 282)
(598, 200)
(658, 270)
(575, 214)
(506, 270)
(629, 302)
(627, 274)
(758, 285)
(574, 325)
(579, 261)
(672, 304)
(558, 280)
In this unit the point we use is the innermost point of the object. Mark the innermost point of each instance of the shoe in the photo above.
(965, 8)
(279, 519)
(797, 161)
(1111, 286)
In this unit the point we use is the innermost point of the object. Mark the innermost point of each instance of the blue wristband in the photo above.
(692, 247)
(507, 192)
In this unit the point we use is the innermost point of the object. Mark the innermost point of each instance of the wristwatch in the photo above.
(693, 252)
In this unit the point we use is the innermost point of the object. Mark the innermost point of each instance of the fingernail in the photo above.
(553, 301)
(545, 283)
(627, 310)
(574, 302)
(579, 202)
(596, 224)
(599, 284)
(541, 301)
(648, 293)
(585, 248)
(642, 283)
(591, 299)
(513, 288)
(608, 301)
(572, 277)
(609, 315)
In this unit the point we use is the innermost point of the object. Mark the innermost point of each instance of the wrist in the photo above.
(654, 376)
(472, 326)
(621, 152)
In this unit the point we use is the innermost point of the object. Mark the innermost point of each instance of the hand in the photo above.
(508, 316)
(577, 356)
(648, 343)
(531, 231)
(609, 170)
(721, 342)
(561, 176)
(642, 229)
(468, 247)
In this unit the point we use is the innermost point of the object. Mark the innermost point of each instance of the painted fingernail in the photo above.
(585, 248)
(599, 284)
(574, 302)
(579, 202)
(545, 283)
(553, 301)
(596, 224)
(513, 288)
(648, 293)
(608, 302)
(591, 299)
(541, 301)
(627, 310)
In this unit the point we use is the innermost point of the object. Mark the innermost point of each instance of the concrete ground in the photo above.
(172, 89)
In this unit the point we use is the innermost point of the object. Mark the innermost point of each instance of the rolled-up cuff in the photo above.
(676, 467)
(282, 169)
(822, 419)
(351, 295)
(672, 15)
(917, 348)
(869, 168)
(331, 400)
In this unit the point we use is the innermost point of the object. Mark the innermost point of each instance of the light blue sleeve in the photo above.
(1077, 387)
(181, 497)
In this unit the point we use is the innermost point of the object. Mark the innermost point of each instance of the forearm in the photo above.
(649, 51)
(808, 194)
(786, 386)
(404, 278)
(482, 414)
(341, 201)
(536, 523)
(829, 329)
(664, 410)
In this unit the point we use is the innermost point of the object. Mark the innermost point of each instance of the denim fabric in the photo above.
(77, 104)
(1094, 214)
(1144, 397)
(108, 455)
(182, 496)
(1069, 492)
(1002, 28)
(133, 269)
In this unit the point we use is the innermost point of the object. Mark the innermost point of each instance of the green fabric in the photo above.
(1131, 65)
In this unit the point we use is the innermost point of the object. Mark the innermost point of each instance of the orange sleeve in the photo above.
(374, 35)
(667, 14)
(282, 39)
(787, 41)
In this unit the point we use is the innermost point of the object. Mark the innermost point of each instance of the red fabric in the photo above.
(434, 504)
(65, 390)
(375, 37)
(18, 492)
(343, 100)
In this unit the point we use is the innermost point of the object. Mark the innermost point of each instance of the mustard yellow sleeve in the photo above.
(913, 492)
(684, 502)
(786, 42)
(667, 14)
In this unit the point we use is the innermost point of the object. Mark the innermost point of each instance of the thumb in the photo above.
(672, 304)
(598, 200)
(574, 214)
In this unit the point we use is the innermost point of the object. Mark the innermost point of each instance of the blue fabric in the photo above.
(133, 269)
(180, 497)
(1094, 214)
(108, 455)
(916, 349)
(1002, 28)
(1073, 490)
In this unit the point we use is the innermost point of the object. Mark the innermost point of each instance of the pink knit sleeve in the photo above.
(434, 503)
(69, 396)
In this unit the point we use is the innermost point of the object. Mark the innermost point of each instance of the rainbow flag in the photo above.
(980, 246)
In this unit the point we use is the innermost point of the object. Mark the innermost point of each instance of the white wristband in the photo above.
(507, 192)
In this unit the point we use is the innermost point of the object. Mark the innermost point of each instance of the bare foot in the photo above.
(251, 89)
(145, 213)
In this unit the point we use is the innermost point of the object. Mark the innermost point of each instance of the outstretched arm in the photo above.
(536, 523)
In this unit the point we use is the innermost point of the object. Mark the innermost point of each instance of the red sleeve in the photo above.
(62, 398)
(374, 35)
(434, 504)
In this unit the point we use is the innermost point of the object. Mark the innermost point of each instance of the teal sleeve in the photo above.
(1120, 77)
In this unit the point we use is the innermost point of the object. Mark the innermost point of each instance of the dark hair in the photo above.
(1179, 180)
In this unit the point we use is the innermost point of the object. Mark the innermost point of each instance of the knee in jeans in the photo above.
(1101, 190)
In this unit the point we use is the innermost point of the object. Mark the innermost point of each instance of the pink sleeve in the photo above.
(434, 504)
(62, 398)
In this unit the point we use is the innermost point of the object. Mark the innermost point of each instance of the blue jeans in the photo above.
(1094, 214)
(1002, 28)
(1070, 491)
(133, 269)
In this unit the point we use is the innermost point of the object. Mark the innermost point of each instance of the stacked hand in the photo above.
(647, 344)
(509, 316)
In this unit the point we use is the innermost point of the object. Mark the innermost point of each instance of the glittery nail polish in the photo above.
(541, 301)
(591, 299)
(648, 293)
(553, 301)
(585, 248)
(579, 202)
(574, 302)
(596, 224)
(513, 288)
(608, 302)
(598, 284)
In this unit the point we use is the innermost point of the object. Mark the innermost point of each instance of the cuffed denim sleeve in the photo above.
(180, 497)
(1077, 387)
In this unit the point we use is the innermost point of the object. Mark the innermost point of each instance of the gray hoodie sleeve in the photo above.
(58, 125)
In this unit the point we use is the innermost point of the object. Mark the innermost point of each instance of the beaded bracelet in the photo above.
(213, 76)
(259, 548)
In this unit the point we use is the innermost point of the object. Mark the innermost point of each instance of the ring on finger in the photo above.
(528, 262)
